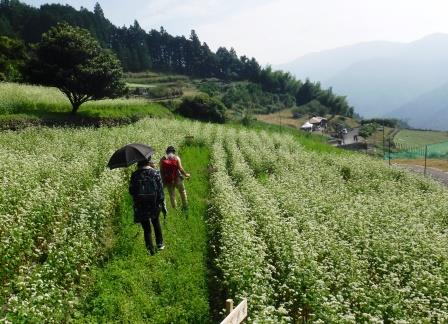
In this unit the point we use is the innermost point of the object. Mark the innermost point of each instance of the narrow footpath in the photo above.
(170, 287)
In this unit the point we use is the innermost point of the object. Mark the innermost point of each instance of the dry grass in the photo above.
(438, 164)
(283, 118)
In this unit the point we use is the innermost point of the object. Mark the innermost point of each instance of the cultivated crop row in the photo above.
(56, 206)
(304, 236)
(350, 240)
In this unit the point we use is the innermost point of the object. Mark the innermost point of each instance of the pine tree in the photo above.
(98, 11)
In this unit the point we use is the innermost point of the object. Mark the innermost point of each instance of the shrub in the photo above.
(204, 108)
(368, 129)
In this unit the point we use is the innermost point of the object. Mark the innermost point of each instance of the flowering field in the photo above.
(327, 238)
(56, 203)
(305, 236)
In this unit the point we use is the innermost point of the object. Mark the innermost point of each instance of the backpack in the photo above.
(170, 170)
(145, 188)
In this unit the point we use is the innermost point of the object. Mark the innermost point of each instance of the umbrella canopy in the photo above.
(130, 154)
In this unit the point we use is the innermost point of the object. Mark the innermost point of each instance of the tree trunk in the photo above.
(75, 107)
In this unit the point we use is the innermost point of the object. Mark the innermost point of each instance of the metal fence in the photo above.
(422, 152)
(430, 151)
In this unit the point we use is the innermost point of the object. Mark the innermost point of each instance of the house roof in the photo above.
(317, 120)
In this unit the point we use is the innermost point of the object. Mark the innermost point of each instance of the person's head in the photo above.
(170, 150)
(144, 163)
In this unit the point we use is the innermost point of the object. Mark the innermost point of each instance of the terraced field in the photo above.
(305, 236)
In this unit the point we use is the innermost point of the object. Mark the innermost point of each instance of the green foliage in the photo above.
(211, 88)
(70, 59)
(314, 107)
(203, 107)
(164, 92)
(368, 129)
(388, 122)
(335, 105)
(12, 58)
(242, 96)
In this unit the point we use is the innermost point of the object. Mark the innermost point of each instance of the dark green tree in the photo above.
(97, 10)
(70, 59)
(204, 108)
(12, 58)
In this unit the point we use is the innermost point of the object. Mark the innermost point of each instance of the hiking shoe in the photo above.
(161, 247)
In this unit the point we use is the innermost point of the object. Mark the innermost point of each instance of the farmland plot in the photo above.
(305, 236)
(345, 239)
(56, 203)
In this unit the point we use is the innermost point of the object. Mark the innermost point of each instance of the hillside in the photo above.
(139, 51)
(380, 78)
(427, 111)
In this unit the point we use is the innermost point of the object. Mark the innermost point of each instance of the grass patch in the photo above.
(310, 141)
(170, 287)
(417, 137)
(19, 100)
(154, 78)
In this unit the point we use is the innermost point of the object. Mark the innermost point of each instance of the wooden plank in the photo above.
(238, 314)
(229, 306)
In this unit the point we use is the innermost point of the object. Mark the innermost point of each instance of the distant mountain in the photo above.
(325, 65)
(382, 78)
(428, 111)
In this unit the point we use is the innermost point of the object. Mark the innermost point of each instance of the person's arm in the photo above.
(181, 169)
(160, 166)
(131, 185)
(161, 195)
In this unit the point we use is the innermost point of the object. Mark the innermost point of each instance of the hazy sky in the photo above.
(277, 31)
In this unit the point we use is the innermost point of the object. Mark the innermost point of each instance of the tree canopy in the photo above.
(70, 59)
(157, 50)
(12, 57)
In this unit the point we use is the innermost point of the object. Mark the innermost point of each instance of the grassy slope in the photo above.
(417, 138)
(26, 101)
(172, 285)
(309, 141)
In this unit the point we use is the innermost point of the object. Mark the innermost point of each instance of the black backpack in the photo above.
(145, 188)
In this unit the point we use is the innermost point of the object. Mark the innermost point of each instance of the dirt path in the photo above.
(349, 138)
(437, 175)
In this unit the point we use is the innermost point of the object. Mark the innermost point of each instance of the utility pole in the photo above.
(389, 151)
(426, 155)
(384, 144)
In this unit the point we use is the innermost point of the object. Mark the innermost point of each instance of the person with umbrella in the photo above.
(146, 189)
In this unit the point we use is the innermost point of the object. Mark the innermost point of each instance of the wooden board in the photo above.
(238, 314)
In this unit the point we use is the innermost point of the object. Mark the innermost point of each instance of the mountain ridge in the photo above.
(380, 78)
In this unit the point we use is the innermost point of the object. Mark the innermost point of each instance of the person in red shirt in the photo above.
(172, 175)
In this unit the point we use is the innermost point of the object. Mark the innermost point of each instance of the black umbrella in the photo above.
(130, 154)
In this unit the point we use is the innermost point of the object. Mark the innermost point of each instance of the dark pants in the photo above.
(147, 233)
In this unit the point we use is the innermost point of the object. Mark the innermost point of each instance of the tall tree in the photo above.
(97, 10)
(70, 59)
